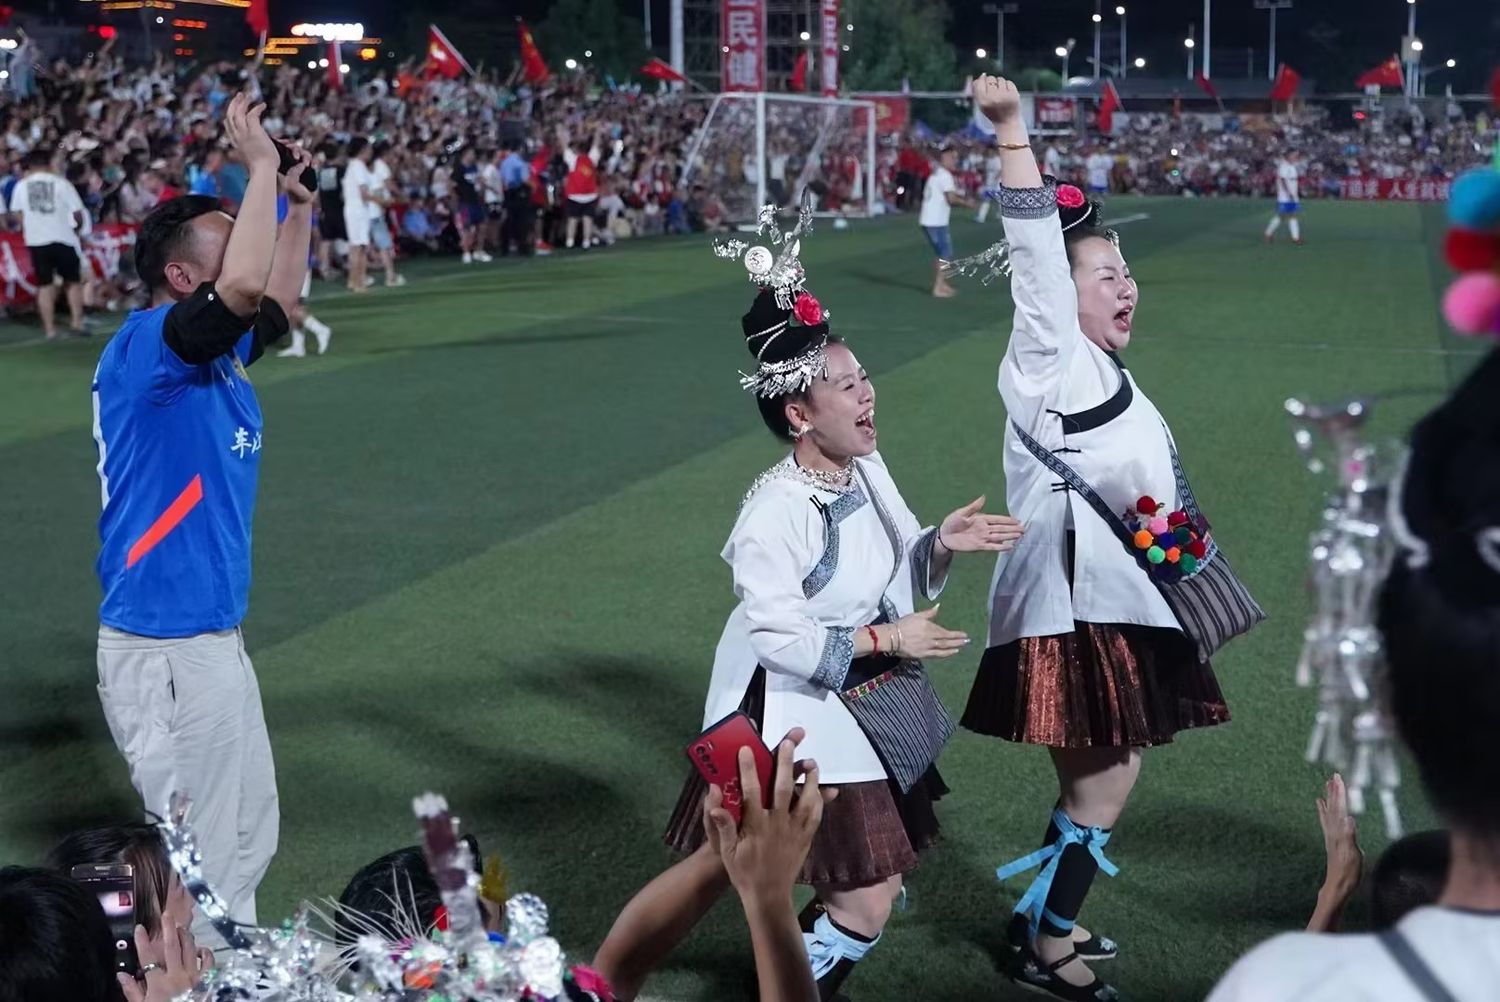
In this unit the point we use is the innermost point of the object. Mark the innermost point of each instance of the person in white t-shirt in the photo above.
(1288, 174)
(359, 182)
(1052, 162)
(939, 195)
(1438, 620)
(991, 183)
(51, 215)
(382, 192)
(1099, 165)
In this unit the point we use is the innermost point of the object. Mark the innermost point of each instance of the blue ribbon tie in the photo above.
(1033, 903)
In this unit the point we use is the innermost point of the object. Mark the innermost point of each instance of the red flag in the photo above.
(335, 61)
(1108, 105)
(1206, 84)
(798, 81)
(1387, 74)
(533, 67)
(258, 16)
(1495, 88)
(656, 69)
(1287, 82)
(443, 59)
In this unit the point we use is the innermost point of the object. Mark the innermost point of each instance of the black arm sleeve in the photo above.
(271, 325)
(201, 328)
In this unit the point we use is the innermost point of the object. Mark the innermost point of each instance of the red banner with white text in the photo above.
(743, 52)
(831, 44)
(1385, 189)
(102, 250)
(1055, 112)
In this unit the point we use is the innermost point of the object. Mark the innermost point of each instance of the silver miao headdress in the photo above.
(783, 299)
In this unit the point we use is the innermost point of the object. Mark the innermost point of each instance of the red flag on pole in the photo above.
(1108, 105)
(798, 82)
(1387, 74)
(258, 16)
(656, 69)
(1495, 88)
(1207, 85)
(533, 67)
(335, 64)
(443, 58)
(1287, 82)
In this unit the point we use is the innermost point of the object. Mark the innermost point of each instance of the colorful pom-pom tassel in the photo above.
(1197, 549)
(1156, 554)
(1166, 540)
(1471, 250)
(1147, 505)
(1472, 303)
(1177, 518)
(1157, 526)
(1174, 555)
(1188, 563)
(1474, 199)
(1143, 540)
(1184, 535)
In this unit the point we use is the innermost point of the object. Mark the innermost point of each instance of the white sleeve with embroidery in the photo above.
(769, 553)
(1045, 331)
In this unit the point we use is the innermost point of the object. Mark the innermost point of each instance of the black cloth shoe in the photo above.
(1096, 947)
(1034, 975)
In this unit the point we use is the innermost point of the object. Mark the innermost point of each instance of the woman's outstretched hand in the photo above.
(970, 530)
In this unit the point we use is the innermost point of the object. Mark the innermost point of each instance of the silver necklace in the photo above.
(839, 480)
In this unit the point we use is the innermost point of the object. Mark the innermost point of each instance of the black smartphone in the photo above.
(114, 883)
(309, 177)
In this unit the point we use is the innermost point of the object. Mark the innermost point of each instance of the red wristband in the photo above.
(874, 639)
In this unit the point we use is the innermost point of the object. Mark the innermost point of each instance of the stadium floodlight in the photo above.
(331, 32)
(1061, 51)
(1188, 43)
(805, 36)
(322, 64)
(1097, 18)
(980, 53)
(571, 63)
(312, 64)
(1452, 63)
(1416, 45)
(343, 67)
(8, 43)
(1140, 62)
(1120, 11)
(848, 27)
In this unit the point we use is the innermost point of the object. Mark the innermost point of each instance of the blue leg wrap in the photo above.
(1034, 902)
(826, 946)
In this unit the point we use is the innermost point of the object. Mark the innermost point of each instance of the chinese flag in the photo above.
(533, 67)
(1108, 105)
(1287, 82)
(658, 70)
(335, 74)
(258, 16)
(1387, 74)
(443, 59)
(798, 82)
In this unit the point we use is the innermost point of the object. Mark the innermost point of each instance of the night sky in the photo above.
(1331, 40)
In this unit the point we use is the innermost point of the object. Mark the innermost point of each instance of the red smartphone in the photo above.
(115, 886)
(716, 755)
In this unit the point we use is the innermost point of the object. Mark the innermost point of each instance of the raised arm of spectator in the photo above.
(289, 264)
(1345, 859)
(252, 243)
(763, 856)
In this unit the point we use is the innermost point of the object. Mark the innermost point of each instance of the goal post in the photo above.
(759, 149)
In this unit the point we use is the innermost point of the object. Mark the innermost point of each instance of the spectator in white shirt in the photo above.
(358, 183)
(1439, 614)
(51, 215)
(939, 196)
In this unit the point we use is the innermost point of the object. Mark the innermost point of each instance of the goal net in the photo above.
(759, 149)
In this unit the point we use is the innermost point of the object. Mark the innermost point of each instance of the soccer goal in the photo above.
(759, 149)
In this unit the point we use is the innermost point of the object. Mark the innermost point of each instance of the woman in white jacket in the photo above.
(827, 562)
(1084, 655)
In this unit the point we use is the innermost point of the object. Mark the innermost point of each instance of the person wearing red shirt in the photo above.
(581, 187)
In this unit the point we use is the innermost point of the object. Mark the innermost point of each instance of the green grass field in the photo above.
(487, 564)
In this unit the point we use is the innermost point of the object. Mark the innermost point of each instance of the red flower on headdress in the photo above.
(807, 309)
(1069, 197)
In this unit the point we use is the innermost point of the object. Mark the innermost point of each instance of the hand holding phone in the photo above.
(114, 883)
(715, 754)
(308, 178)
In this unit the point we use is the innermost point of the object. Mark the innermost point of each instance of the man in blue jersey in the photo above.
(180, 440)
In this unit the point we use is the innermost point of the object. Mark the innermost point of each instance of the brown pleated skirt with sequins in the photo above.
(1104, 685)
(870, 832)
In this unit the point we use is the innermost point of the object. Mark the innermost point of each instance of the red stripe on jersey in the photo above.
(169, 520)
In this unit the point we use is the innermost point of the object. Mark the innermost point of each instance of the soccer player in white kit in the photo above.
(1288, 171)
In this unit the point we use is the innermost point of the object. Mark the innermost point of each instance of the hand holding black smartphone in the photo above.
(114, 883)
(308, 178)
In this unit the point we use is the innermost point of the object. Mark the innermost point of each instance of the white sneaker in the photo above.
(296, 350)
(468, 258)
(482, 256)
(397, 280)
(324, 336)
(369, 281)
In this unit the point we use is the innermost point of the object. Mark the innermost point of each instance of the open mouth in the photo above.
(1123, 318)
(866, 422)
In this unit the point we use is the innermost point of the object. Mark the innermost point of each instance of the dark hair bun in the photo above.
(772, 334)
(1451, 491)
(1088, 216)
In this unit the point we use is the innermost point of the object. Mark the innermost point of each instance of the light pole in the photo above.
(1450, 64)
(1413, 65)
(1189, 44)
(1208, 18)
(1120, 12)
(1000, 10)
(1063, 52)
(1273, 6)
(1098, 24)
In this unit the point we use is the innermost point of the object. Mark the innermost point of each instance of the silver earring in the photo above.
(802, 431)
